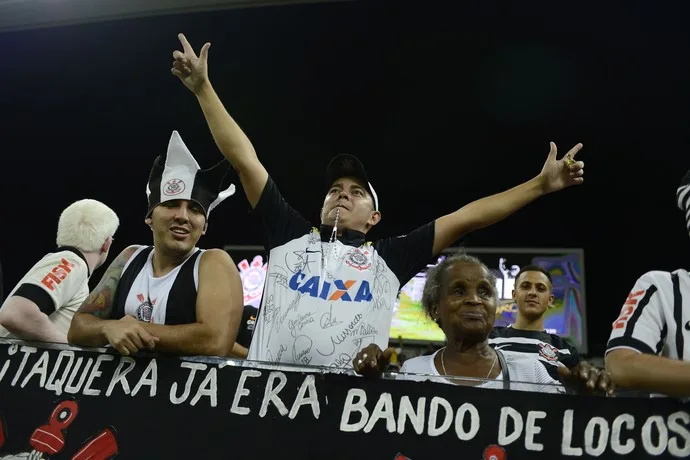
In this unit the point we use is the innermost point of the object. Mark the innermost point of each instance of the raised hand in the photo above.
(559, 174)
(191, 69)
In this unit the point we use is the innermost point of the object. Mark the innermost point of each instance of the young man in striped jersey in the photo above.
(533, 295)
(649, 346)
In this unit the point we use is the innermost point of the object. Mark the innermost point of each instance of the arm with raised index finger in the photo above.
(192, 70)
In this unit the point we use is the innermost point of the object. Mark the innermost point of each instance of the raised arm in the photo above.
(555, 175)
(91, 325)
(192, 70)
(219, 307)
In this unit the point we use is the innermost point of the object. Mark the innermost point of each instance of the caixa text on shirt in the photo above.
(343, 290)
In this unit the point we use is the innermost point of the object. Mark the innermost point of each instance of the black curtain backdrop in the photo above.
(443, 105)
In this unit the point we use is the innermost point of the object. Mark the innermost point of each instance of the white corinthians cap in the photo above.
(181, 178)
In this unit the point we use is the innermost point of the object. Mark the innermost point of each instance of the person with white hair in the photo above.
(42, 304)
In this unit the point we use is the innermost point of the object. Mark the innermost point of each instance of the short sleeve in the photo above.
(280, 222)
(54, 281)
(641, 323)
(407, 255)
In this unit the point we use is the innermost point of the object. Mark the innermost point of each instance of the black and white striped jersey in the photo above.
(551, 350)
(655, 317)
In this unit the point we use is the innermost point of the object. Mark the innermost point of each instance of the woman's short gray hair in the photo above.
(431, 296)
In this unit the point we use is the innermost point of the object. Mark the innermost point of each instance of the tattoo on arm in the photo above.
(99, 302)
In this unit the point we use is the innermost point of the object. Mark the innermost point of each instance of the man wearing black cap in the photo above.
(328, 291)
(171, 296)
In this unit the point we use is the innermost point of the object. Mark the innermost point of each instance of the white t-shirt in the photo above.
(58, 284)
(526, 374)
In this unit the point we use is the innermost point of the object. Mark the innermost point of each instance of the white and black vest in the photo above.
(169, 299)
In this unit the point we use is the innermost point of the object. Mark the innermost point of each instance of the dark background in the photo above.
(443, 105)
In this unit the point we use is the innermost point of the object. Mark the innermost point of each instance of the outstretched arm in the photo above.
(230, 139)
(219, 306)
(555, 175)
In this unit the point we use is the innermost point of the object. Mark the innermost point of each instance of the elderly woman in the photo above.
(460, 295)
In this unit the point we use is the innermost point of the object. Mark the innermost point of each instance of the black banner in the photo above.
(73, 404)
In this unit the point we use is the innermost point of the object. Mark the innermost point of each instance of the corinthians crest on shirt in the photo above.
(145, 308)
(548, 352)
(359, 260)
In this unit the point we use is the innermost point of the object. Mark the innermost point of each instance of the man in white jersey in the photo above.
(42, 304)
(171, 296)
(649, 346)
(328, 291)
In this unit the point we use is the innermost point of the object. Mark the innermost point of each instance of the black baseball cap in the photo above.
(346, 165)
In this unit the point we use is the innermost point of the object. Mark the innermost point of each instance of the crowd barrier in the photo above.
(61, 402)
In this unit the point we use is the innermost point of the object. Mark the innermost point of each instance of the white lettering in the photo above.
(596, 447)
(460, 420)
(271, 394)
(407, 411)
(242, 391)
(70, 388)
(12, 349)
(647, 435)
(352, 406)
(209, 387)
(675, 427)
(616, 428)
(120, 376)
(193, 367)
(40, 369)
(27, 351)
(437, 402)
(95, 373)
(52, 383)
(567, 437)
(313, 398)
(382, 410)
(151, 381)
(504, 438)
(531, 430)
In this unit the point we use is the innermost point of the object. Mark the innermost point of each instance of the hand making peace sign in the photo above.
(191, 69)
